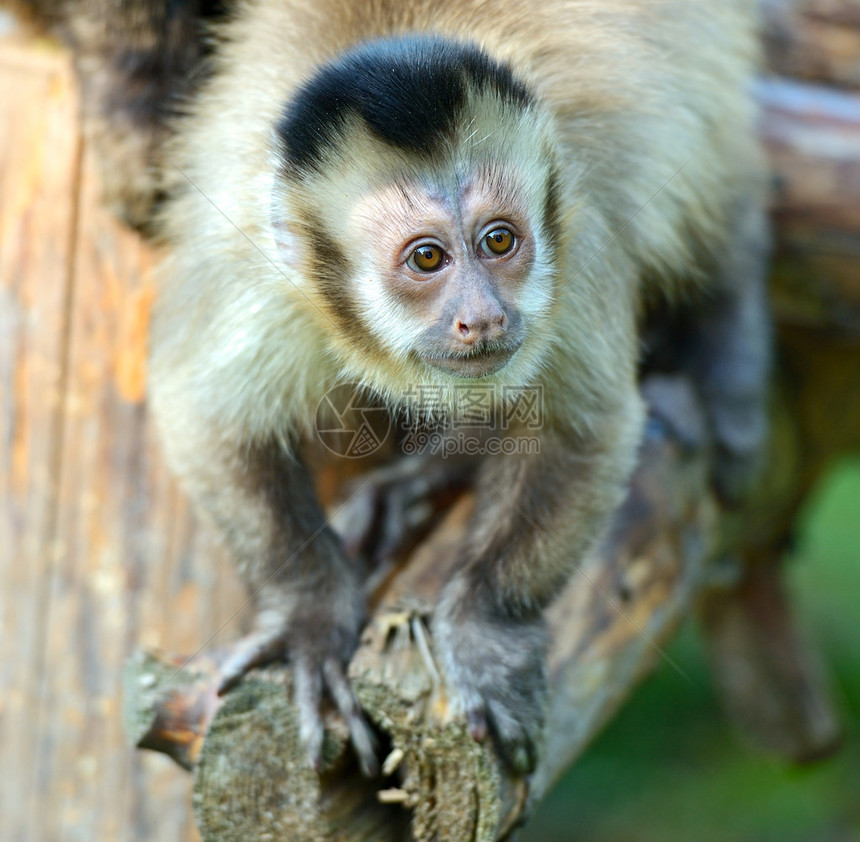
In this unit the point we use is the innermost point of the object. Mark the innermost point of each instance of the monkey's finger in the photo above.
(476, 721)
(307, 697)
(362, 737)
(354, 522)
(674, 409)
(512, 738)
(251, 651)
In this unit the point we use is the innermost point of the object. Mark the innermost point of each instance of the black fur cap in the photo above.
(410, 92)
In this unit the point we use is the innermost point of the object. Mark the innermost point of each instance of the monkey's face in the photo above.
(441, 270)
(432, 271)
(435, 252)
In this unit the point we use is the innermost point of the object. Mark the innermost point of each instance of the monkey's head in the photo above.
(417, 191)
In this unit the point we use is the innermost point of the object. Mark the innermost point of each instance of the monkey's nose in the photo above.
(472, 330)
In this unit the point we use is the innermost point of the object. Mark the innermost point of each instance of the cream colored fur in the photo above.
(646, 103)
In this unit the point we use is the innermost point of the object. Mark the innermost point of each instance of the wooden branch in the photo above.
(814, 40)
(768, 674)
(169, 705)
(812, 136)
(252, 777)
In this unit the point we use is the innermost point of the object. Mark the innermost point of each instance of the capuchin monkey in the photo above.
(428, 194)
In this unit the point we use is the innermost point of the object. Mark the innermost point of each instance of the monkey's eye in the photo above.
(426, 258)
(497, 242)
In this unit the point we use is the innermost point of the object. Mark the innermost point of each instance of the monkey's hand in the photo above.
(318, 637)
(496, 671)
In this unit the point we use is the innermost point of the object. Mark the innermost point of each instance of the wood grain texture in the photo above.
(98, 548)
(814, 40)
(39, 174)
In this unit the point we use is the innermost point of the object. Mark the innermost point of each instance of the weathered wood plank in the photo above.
(98, 548)
(129, 562)
(39, 167)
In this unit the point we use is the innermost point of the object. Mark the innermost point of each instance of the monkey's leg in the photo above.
(308, 594)
(135, 60)
(537, 516)
(731, 343)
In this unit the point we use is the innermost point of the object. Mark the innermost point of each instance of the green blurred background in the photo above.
(670, 769)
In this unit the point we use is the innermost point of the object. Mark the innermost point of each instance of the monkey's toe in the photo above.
(312, 681)
(319, 657)
(740, 433)
(390, 509)
(496, 670)
(253, 650)
(516, 725)
(674, 407)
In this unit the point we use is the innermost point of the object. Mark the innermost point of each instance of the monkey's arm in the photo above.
(307, 593)
(536, 518)
(722, 340)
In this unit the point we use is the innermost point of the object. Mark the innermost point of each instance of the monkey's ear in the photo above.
(287, 241)
(284, 229)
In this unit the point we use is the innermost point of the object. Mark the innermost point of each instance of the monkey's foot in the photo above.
(496, 670)
(673, 409)
(390, 509)
(737, 424)
(319, 652)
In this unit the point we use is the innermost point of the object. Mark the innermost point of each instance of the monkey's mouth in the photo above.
(479, 362)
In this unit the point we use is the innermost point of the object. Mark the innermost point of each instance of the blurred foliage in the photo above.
(670, 769)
